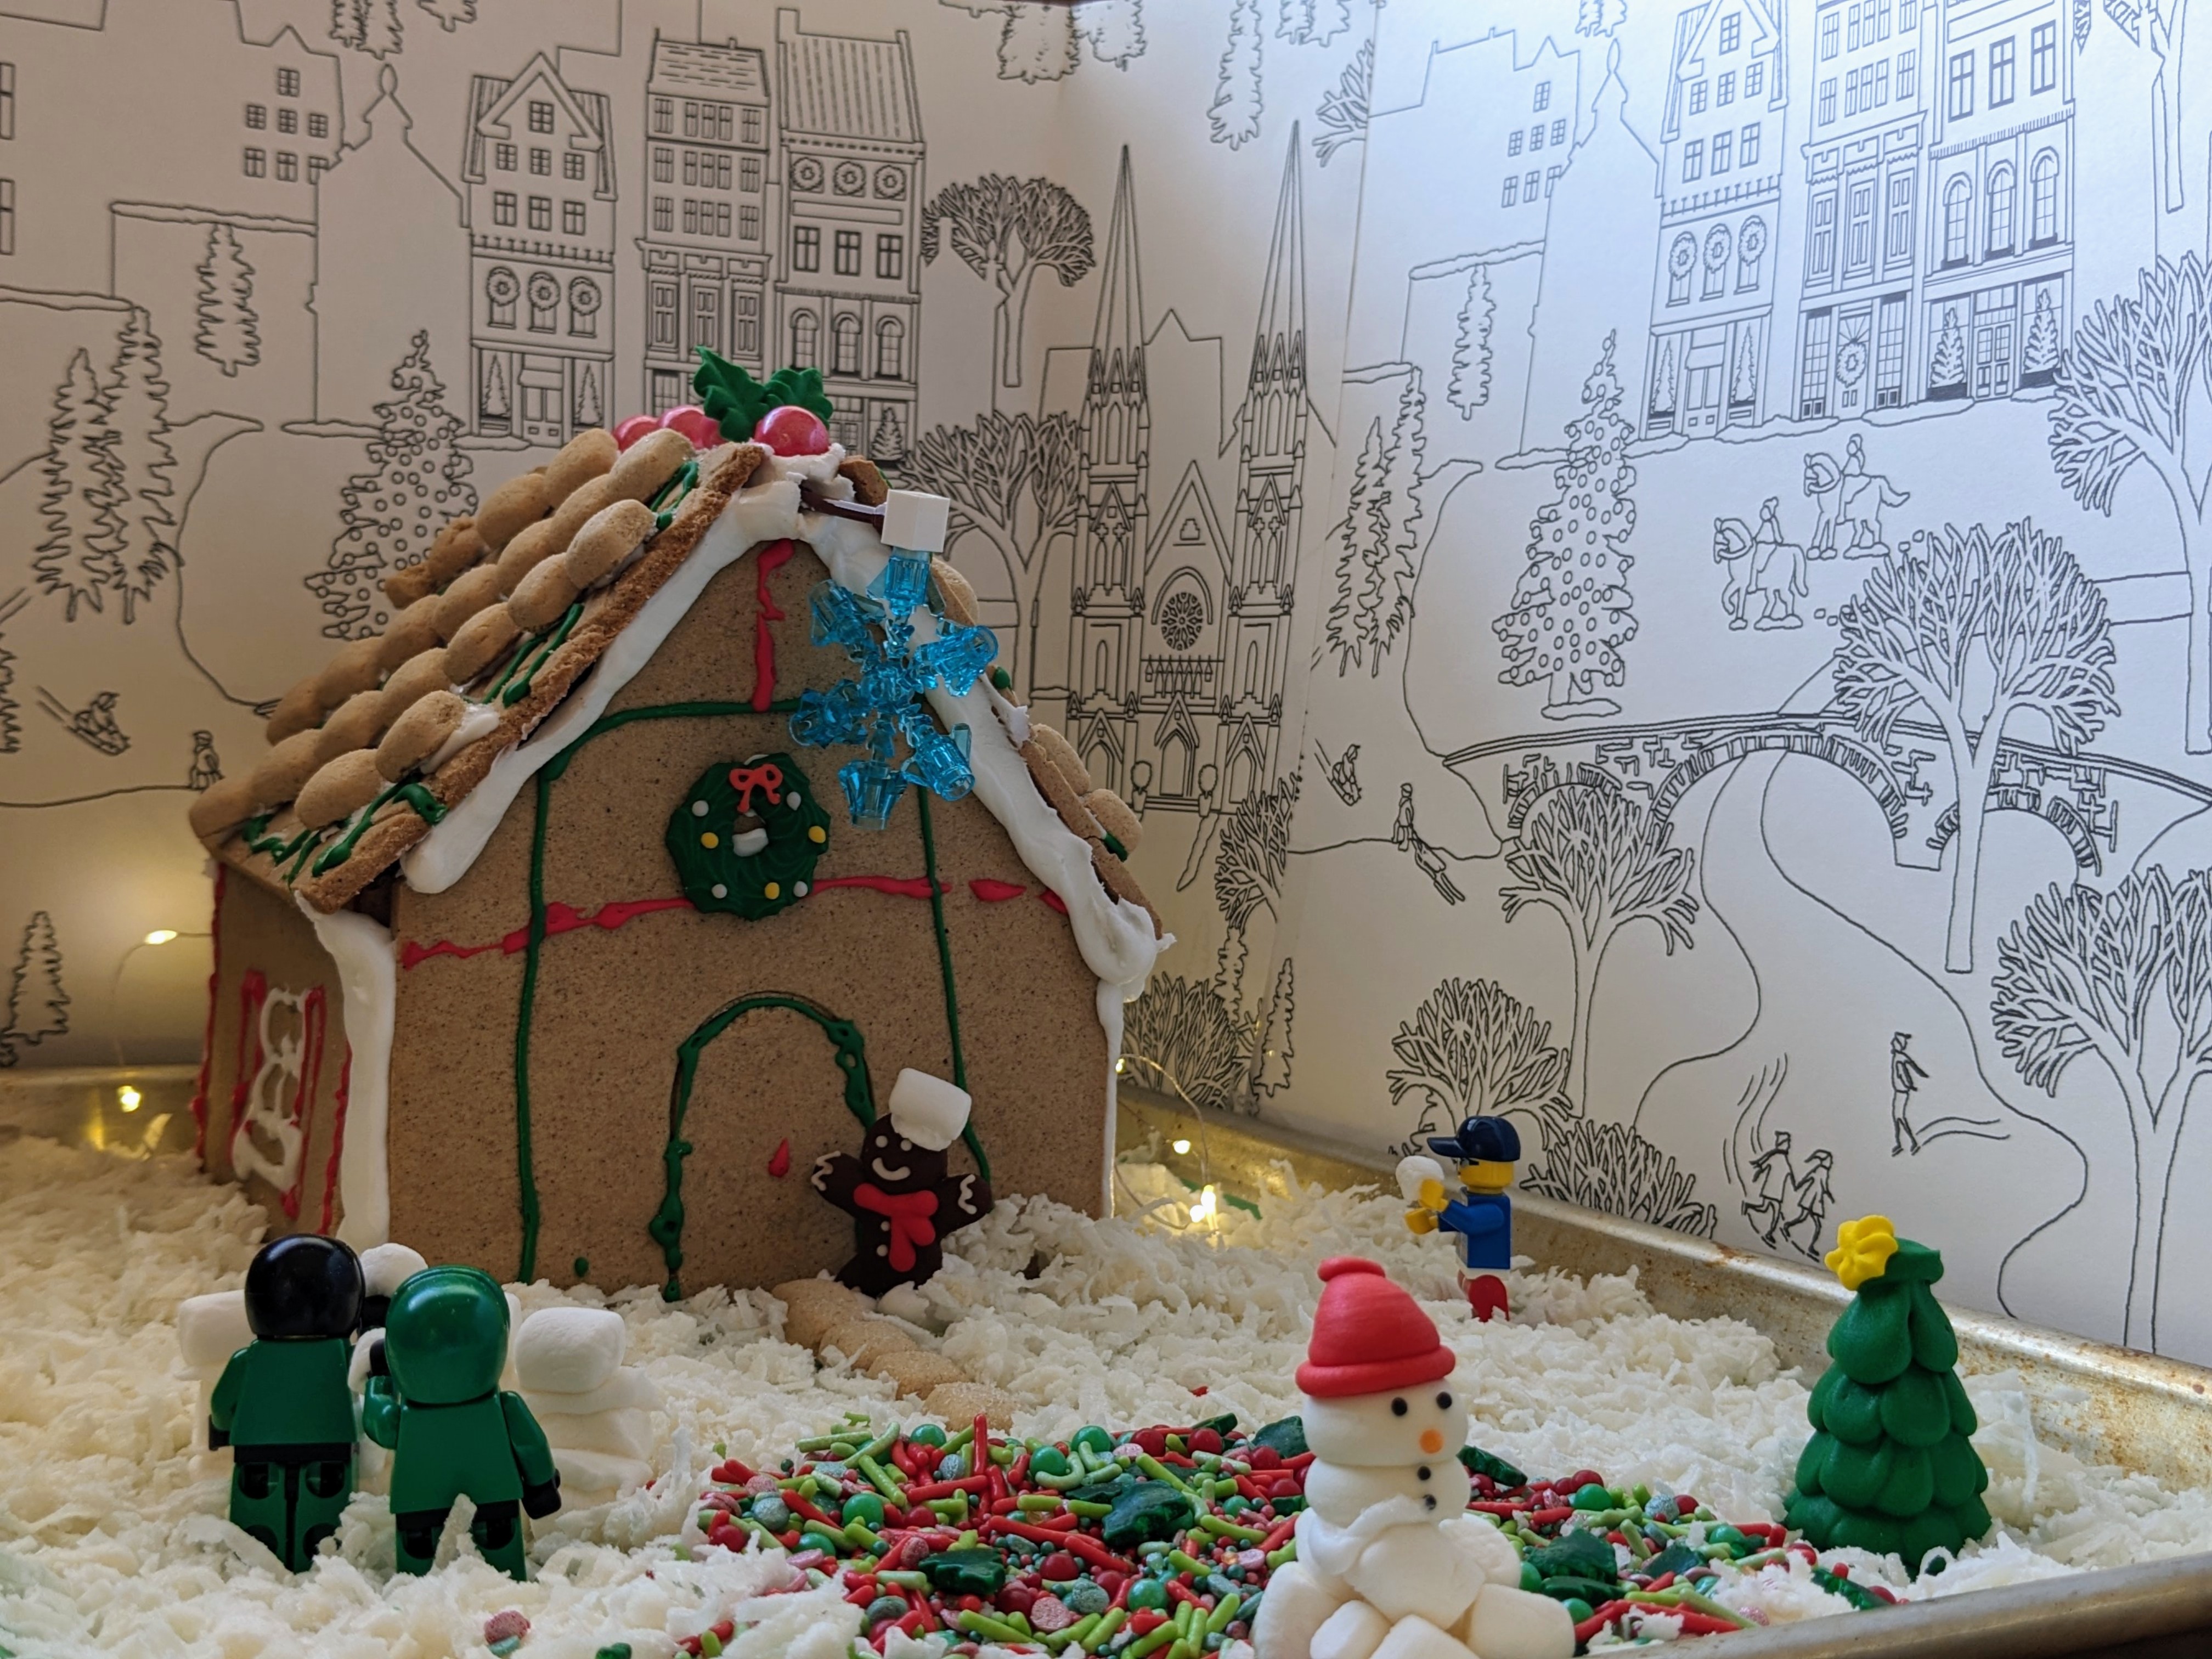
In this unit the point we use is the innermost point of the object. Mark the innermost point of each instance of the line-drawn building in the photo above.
(708, 236)
(2000, 234)
(540, 174)
(1720, 187)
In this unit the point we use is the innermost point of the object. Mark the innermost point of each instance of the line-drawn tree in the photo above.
(1612, 1167)
(139, 419)
(1182, 1035)
(1600, 860)
(1012, 479)
(229, 335)
(1006, 230)
(588, 410)
(450, 14)
(79, 557)
(1254, 851)
(1234, 115)
(496, 407)
(1473, 1049)
(11, 731)
(1340, 119)
(1114, 28)
(1312, 22)
(1036, 43)
(1663, 379)
(1572, 610)
(1600, 18)
(1353, 627)
(38, 1007)
(369, 25)
(1470, 368)
(1743, 373)
(1271, 1049)
(1976, 628)
(2126, 977)
(419, 478)
(2039, 353)
(2125, 387)
(1947, 364)
(2153, 26)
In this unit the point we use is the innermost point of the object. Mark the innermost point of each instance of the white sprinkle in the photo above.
(798, 888)
(698, 809)
(791, 800)
(718, 891)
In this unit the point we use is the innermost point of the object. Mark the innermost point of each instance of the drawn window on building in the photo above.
(1898, 239)
(1530, 182)
(690, 217)
(706, 318)
(1101, 668)
(1747, 149)
(541, 161)
(1827, 110)
(748, 223)
(891, 350)
(1724, 90)
(749, 173)
(2043, 58)
(845, 345)
(745, 322)
(1958, 205)
(1560, 132)
(846, 254)
(544, 292)
(1513, 141)
(2001, 53)
(287, 83)
(1550, 177)
(1754, 77)
(1831, 29)
(8, 101)
(1543, 96)
(288, 166)
(503, 157)
(541, 213)
(1812, 374)
(541, 116)
(1908, 15)
(806, 340)
(750, 123)
(722, 219)
(1889, 353)
(1723, 142)
(1512, 191)
(572, 218)
(1718, 244)
(1858, 228)
(691, 167)
(805, 247)
(319, 126)
(663, 316)
(664, 165)
(288, 120)
(664, 213)
(502, 207)
(1961, 103)
(583, 307)
(2043, 198)
(1880, 73)
(1536, 136)
(1750, 244)
(7, 215)
(1858, 31)
(1820, 246)
(1694, 159)
(572, 166)
(1881, 20)
(1697, 98)
(256, 163)
(1731, 32)
(1851, 81)
(664, 116)
(890, 258)
(1908, 74)
(1681, 260)
(316, 168)
(257, 116)
(2001, 191)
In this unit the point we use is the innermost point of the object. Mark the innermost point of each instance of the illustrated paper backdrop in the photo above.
(1642, 563)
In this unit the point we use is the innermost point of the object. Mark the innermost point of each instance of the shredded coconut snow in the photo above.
(113, 1539)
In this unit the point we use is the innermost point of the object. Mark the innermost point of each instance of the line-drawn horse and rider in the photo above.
(1765, 570)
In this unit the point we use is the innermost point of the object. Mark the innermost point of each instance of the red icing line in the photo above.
(253, 991)
(313, 1016)
(995, 892)
(1055, 901)
(337, 1142)
(766, 562)
(779, 1163)
(897, 886)
(207, 1037)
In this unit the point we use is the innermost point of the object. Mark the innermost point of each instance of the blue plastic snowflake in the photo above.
(881, 708)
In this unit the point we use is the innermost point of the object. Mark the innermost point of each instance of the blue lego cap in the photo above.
(1481, 1139)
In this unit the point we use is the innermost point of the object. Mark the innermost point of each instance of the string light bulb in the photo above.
(160, 936)
(1182, 1148)
(1206, 1208)
(127, 1097)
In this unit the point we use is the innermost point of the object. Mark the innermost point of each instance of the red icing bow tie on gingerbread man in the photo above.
(899, 1191)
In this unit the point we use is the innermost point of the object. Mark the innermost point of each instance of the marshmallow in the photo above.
(1294, 1609)
(598, 1473)
(1417, 1638)
(1509, 1623)
(212, 1327)
(628, 1388)
(1417, 1570)
(569, 1350)
(385, 1267)
(1354, 1630)
(618, 1434)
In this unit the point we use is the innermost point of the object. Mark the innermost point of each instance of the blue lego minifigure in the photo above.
(1484, 1151)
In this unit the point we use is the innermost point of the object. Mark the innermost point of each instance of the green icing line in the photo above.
(945, 968)
(669, 496)
(427, 806)
(518, 688)
(667, 1226)
(525, 1170)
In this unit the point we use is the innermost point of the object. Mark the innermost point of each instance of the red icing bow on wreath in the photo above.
(746, 779)
(909, 1215)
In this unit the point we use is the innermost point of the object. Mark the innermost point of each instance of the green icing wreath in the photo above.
(746, 835)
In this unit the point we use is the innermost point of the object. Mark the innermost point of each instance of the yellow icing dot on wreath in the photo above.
(710, 839)
(771, 891)
(817, 834)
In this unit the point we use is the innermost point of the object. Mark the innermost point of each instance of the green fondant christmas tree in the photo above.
(1889, 1467)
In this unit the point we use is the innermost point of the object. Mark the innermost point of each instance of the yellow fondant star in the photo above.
(1862, 1250)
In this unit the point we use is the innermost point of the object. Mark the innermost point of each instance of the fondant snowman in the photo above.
(899, 1192)
(1390, 1565)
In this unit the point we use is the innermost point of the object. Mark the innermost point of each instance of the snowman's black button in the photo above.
(1424, 1470)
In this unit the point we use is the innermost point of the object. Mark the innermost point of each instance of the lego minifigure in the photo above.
(1484, 1151)
(282, 1404)
(433, 1398)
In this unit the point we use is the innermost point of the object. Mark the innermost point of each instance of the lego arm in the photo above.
(380, 1411)
(541, 1481)
(1473, 1220)
(222, 1405)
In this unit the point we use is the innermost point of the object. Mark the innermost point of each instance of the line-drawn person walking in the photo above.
(1776, 1178)
(206, 767)
(1809, 1199)
(1903, 1071)
(1401, 831)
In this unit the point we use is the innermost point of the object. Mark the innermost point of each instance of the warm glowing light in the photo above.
(1180, 1146)
(1119, 1066)
(1207, 1205)
(160, 936)
(127, 1097)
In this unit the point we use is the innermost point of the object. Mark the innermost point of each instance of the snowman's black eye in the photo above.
(1397, 1408)
(1444, 1402)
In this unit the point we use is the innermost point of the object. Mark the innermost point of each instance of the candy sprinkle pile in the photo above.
(1160, 1542)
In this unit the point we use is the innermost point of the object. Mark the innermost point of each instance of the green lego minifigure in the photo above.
(433, 1398)
(282, 1404)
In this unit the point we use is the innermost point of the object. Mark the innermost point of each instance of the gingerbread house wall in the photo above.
(611, 1005)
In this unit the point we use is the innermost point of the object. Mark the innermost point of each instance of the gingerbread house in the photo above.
(546, 942)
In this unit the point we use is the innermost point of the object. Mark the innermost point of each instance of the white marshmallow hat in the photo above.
(927, 1110)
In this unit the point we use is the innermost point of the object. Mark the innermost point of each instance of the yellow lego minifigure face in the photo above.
(1486, 1175)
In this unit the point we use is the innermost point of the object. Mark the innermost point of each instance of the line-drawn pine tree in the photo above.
(1976, 629)
(1470, 369)
(230, 334)
(1312, 22)
(1114, 28)
(1037, 43)
(450, 14)
(38, 1007)
(79, 557)
(371, 26)
(1234, 115)
(1947, 364)
(1663, 384)
(138, 417)
(1271, 1054)
(1743, 373)
(10, 730)
(1353, 627)
(2039, 356)
(1340, 119)
(1572, 610)
(589, 412)
(1600, 18)
(496, 407)
(419, 480)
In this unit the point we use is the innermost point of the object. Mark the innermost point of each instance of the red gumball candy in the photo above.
(789, 429)
(634, 428)
(695, 424)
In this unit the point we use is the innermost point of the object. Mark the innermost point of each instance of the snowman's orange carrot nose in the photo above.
(1433, 1441)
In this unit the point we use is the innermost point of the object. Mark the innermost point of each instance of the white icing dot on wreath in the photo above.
(791, 800)
(798, 888)
(698, 809)
(718, 891)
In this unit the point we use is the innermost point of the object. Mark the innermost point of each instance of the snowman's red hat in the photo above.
(1369, 1336)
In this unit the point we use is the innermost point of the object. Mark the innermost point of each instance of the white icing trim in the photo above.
(1110, 1017)
(481, 721)
(368, 977)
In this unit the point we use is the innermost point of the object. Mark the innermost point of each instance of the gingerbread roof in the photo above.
(410, 745)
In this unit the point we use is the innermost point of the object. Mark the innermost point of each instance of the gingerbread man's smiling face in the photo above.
(894, 1161)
